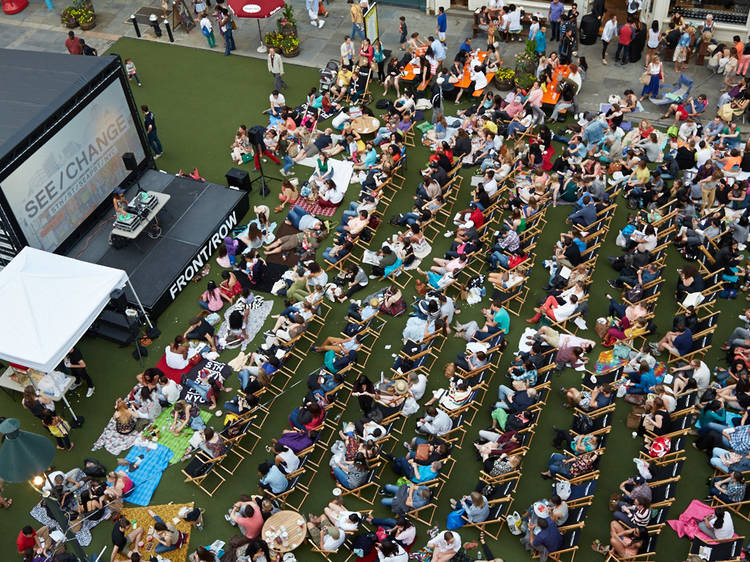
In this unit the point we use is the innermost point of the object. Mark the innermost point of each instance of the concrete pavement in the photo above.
(39, 29)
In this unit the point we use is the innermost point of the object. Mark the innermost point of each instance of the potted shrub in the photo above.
(505, 78)
(525, 61)
(68, 17)
(525, 80)
(286, 24)
(273, 39)
(86, 19)
(290, 46)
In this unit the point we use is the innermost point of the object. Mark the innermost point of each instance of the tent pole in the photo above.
(65, 399)
(140, 305)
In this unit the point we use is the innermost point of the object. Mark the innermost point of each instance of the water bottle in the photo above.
(480, 555)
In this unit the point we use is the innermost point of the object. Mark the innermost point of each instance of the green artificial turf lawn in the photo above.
(199, 98)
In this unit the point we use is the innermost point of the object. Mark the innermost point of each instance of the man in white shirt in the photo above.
(276, 67)
(703, 154)
(435, 422)
(490, 183)
(446, 545)
(277, 103)
(610, 28)
(687, 130)
(479, 78)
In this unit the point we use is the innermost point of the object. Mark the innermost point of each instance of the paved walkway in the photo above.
(39, 29)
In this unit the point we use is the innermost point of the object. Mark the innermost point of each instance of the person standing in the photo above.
(358, 20)
(656, 74)
(131, 71)
(225, 22)
(73, 44)
(610, 28)
(208, 30)
(276, 67)
(313, 9)
(624, 38)
(87, 50)
(347, 53)
(149, 122)
(403, 30)
(442, 24)
(74, 361)
(556, 10)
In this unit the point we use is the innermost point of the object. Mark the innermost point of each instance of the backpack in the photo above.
(93, 468)
(634, 294)
(582, 424)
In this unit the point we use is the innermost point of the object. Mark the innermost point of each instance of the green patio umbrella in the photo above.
(23, 455)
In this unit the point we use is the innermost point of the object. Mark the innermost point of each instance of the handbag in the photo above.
(659, 447)
(234, 25)
(455, 519)
(645, 79)
(514, 522)
(423, 452)
(633, 421)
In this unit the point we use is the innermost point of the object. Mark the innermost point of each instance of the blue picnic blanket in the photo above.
(148, 474)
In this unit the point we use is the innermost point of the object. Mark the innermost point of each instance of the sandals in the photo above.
(597, 546)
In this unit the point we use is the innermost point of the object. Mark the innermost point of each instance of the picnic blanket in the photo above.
(114, 442)
(255, 321)
(178, 444)
(342, 171)
(314, 208)
(168, 512)
(216, 371)
(288, 259)
(148, 474)
(83, 536)
(687, 524)
(606, 362)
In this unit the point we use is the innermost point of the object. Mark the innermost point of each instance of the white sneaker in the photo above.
(90, 392)
(321, 23)
(313, 22)
(448, 234)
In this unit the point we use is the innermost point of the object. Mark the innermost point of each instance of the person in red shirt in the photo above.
(27, 542)
(248, 517)
(73, 44)
(476, 215)
(625, 36)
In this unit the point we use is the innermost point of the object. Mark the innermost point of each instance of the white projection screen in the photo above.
(54, 190)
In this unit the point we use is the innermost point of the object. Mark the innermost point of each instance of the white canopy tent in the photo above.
(48, 302)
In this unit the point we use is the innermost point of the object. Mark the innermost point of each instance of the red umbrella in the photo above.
(258, 9)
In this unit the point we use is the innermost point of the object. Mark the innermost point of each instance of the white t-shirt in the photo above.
(727, 529)
(515, 20)
(277, 101)
(653, 39)
(490, 187)
(417, 390)
(439, 544)
(344, 523)
(703, 155)
(609, 30)
(329, 543)
(702, 376)
(480, 80)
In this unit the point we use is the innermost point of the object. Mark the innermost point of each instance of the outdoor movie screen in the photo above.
(54, 190)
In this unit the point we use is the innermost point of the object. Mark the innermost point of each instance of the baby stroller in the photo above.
(328, 75)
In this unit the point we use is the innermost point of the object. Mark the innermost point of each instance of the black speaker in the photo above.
(129, 160)
(238, 178)
(119, 300)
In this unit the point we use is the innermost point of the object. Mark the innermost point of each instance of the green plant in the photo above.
(505, 73)
(85, 16)
(273, 39)
(68, 15)
(525, 80)
(288, 44)
(287, 15)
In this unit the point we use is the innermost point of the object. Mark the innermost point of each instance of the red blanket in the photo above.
(315, 209)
